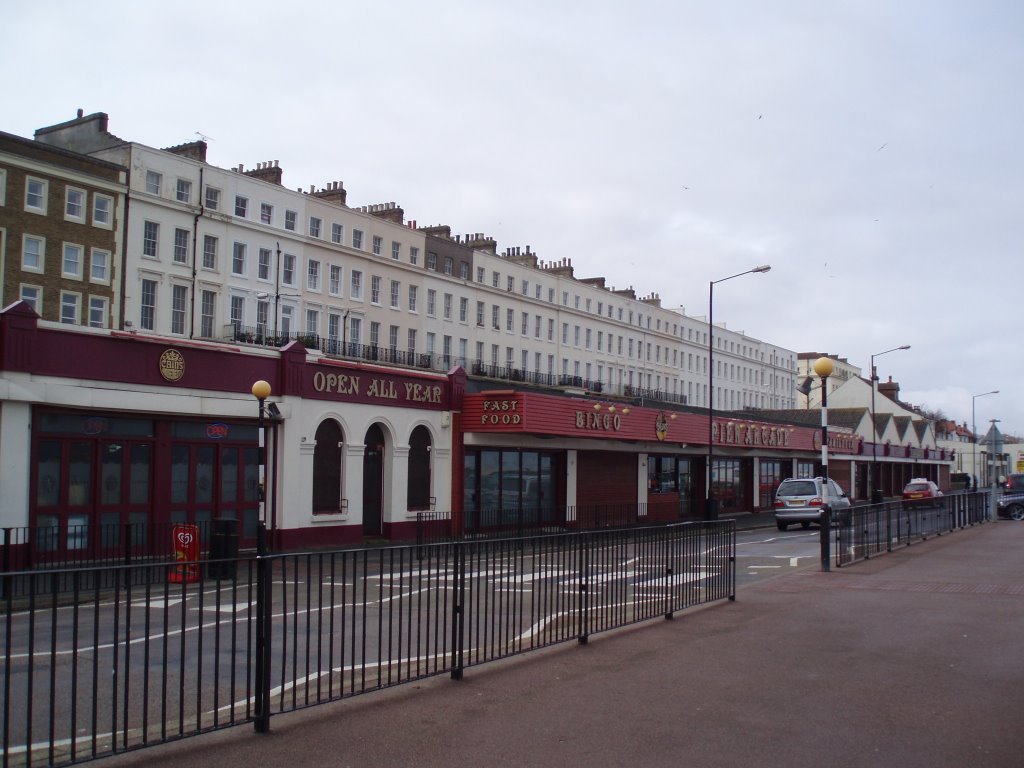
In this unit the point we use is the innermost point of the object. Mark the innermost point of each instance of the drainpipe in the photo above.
(277, 295)
(124, 244)
(195, 257)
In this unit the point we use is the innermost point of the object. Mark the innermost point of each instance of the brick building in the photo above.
(61, 232)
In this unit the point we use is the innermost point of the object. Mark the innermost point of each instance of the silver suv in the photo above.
(801, 501)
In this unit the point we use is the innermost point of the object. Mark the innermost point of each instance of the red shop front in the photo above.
(607, 455)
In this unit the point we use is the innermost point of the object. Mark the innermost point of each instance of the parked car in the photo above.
(801, 500)
(922, 492)
(1014, 484)
(1011, 505)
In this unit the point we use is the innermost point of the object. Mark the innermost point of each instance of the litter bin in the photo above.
(223, 549)
(712, 509)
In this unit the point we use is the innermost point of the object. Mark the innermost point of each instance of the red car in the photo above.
(922, 492)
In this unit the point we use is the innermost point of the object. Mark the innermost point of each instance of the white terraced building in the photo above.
(233, 255)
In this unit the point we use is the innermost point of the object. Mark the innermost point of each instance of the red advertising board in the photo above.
(511, 411)
(186, 554)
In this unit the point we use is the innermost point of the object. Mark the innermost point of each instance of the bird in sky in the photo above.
(886, 144)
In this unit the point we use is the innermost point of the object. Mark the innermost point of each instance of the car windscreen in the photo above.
(798, 488)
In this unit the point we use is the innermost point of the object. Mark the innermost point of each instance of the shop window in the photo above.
(662, 474)
(78, 532)
(770, 472)
(111, 464)
(47, 533)
(509, 487)
(327, 458)
(229, 474)
(48, 474)
(138, 482)
(419, 469)
(726, 483)
(80, 475)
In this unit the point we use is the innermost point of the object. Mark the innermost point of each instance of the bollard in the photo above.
(826, 538)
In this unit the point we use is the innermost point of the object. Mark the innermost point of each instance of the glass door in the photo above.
(91, 497)
(212, 481)
(193, 468)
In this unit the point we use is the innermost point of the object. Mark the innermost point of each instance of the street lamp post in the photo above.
(876, 491)
(974, 438)
(823, 366)
(261, 391)
(993, 470)
(710, 506)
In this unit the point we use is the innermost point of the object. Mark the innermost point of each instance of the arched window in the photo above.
(327, 468)
(419, 469)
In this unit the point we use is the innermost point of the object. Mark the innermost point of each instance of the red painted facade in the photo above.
(513, 412)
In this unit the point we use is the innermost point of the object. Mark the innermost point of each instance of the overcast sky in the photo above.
(868, 150)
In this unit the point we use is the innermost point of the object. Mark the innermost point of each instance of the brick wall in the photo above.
(21, 159)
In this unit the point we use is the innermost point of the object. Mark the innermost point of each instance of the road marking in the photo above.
(155, 604)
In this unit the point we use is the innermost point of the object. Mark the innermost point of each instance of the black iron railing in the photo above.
(166, 652)
(263, 336)
(502, 522)
(874, 529)
(63, 547)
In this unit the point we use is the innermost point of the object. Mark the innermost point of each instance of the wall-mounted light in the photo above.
(611, 409)
(625, 411)
(597, 406)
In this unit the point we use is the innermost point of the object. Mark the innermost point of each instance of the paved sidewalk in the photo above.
(913, 659)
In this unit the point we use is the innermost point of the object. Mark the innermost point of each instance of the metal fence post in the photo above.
(261, 721)
(732, 561)
(581, 538)
(826, 538)
(4, 586)
(127, 552)
(458, 610)
(669, 532)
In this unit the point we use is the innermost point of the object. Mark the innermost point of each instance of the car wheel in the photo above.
(1015, 512)
(781, 526)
